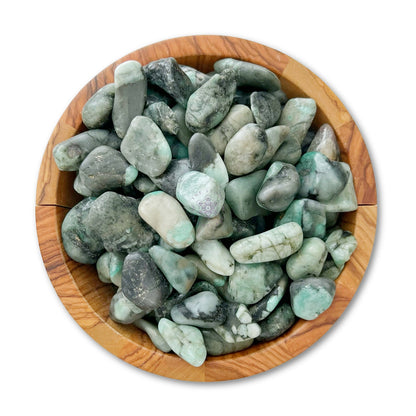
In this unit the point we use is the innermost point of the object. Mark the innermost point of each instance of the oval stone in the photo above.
(221, 226)
(279, 321)
(216, 345)
(109, 267)
(163, 116)
(155, 336)
(266, 108)
(325, 142)
(204, 273)
(341, 244)
(124, 311)
(97, 110)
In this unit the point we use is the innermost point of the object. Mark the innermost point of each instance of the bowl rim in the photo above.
(52, 202)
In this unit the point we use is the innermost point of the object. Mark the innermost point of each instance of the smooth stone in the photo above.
(240, 194)
(130, 95)
(168, 180)
(179, 271)
(178, 149)
(311, 296)
(203, 158)
(275, 136)
(251, 282)
(265, 306)
(204, 310)
(156, 94)
(279, 187)
(238, 116)
(266, 108)
(200, 194)
(79, 242)
(210, 103)
(167, 246)
(245, 150)
(275, 244)
(278, 322)
(215, 256)
(163, 116)
(142, 282)
(239, 325)
(298, 114)
(97, 110)
(249, 74)
(104, 169)
(221, 226)
(346, 200)
(183, 134)
(153, 333)
(306, 142)
(167, 217)
(184, 340)
(331, 219)
(320, 178)
(289, 151)
(204, 273)
(330, 270)
(308, 260)
(145, 147)
(114, 219)
(69, 154)
(281, 96)
(124, 311)
(309, 214)
(216, 345)
(197, 78)
(325, 142)
(109, 267)
(144, 184)
(168, 75)
(340, 244)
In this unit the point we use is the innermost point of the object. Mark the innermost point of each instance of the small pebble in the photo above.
(163, 116)
(275, 136)
(278, 322)
(325, 142)
(221, 226)
(330, 270)
(340, 244)
(266, 108)
(216, 345)
(144, 184)
(289, 151)
(96, 112)
(197, 78)
(183, 134)
(124, 311)
(109, 267)
(204, 273)
(153, 333)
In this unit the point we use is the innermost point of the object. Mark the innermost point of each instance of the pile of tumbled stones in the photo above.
(210, 202)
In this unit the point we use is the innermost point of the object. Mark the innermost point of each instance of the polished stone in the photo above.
(124, 311)
(221, 226)
(341, 244)
(277, 323)
(197, 78)
(96, 112)
(275, 137)
(325, 142)
(266, 108)
(109, 267)
(216, 345)
(204, 273)
(155, 336)
(163, 116)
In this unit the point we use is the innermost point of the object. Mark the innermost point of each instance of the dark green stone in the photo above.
(266, 108)
(163, 116)
(216, 345)
(278, 322)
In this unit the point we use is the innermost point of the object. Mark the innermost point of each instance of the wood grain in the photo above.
(87, 299)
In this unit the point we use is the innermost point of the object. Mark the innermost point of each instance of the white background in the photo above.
(365, 51)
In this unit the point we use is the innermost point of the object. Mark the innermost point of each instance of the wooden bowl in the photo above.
(87, 299)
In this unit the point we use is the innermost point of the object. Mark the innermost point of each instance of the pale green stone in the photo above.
(153, 333)
(144, 184)
(330, 269)
(109, 267)
(309, 260)
(275, 244)
(123, 310)
(183, 134)
(275, 137)
(341, 244)
(197, 78)
(204, 273)
(215, 228)
(289, 151)
(97, 110)
(216, 345)
(184, 340)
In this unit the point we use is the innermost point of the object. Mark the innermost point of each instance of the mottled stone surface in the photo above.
(279, 321)
(96, 112)
(109, 267)
(249, 74)
(163, 116)
(311, 296)
(183, 134)
(325, 142)
(130, 95)
(156, 94)
(210, 103)
(197, 78)
(145, 147)
(114, 219)
(166, 215)
(279, 187)
(275, 244)
(204, 273)
(178, 149)
(155, 336)
(330, 270)
(275, 136)
(168, 75)
(221, 226)
(79, 243)
(69, 154)
(266, 108)
(245, 150)
(144, 184)
(242, 229)
(216, 345)
(340, 244)
(289, 151)
(124, 311)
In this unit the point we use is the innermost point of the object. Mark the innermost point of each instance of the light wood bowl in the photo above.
(87, 299)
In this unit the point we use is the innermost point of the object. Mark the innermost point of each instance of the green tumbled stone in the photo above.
(275, 244)
(242, 229)
(124, 311)
(163, 116)
(186, 341)
(151, 330)
(278, 322)
(341, 244)
(275, 137)
(309, 260)
(215, 228)
(97, 110)
(183, 134)
(330, 270)
(144, 184)
(289, 151)
(266, 108)
(179, 271)
(210, 103)
(331, 219)
(178, 149)
(109, 267)
(216, 345)
(325, 142)
(197, 78)
(204, 273)
(311, 296)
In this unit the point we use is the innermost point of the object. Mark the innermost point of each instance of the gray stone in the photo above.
(280, 320)
(183, 134)
(266, 108)
(96, 112)
(123, 311)
(156, 94)
(325, 142)
(163, 311)
(197, 78)
(216, 345)
(242, 229)
(163, 116)
(289, 151)
(144, 184)
(109, 267)
(155, 336)
(275, 137)
(221, 226)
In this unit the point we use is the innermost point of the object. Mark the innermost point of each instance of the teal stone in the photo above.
(183, 134)
(163, 116)
(178, 149)
(330, 270)
(184, 340)
(238, 116)
(289, 150)
(215, 228)
(197, 78)
(275, 244)
(311, 296)
(144, 184)
(145, 147)
(309, 214)
(275, 137)
(109, 267)
(298, 114)
(341, 244)
(210, 103)
(96, 112)
(200, 194)
(80, 243)
(279, 187)
(266, 108)
(309, 260)
(204, 273)
(249, 74)
(325, 142)
(320, 178)
(277, 323)
(130, 95)
(251, 282)
(153, 333)
(70, 153)
(179, 271)
(216, 345)
(123, 311)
